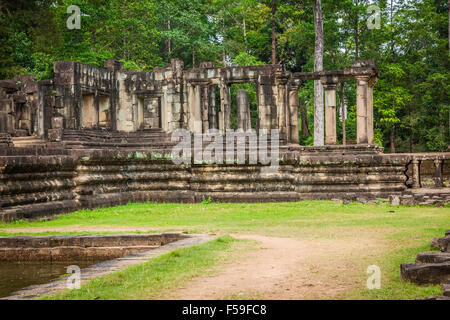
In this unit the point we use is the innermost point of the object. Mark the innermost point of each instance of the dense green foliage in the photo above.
(412, 110)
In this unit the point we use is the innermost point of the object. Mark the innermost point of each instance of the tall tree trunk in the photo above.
(274, 39)
(168, 43)
(193, 57)
(304, 119)
(245, 34)
(224, 55)
(356, 35)
(344, 129)
(392, 31)
(392, 139)
(318, 66)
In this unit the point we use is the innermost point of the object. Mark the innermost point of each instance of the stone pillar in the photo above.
(370, 131)
(225, 108)
(205, 107)
(191, 106)
(6, 114)
(56, 132)
(281, 105)
(362, 83)
(198, 125)
(330, 85)
(6, 120)
(293, 114)
(438, 173)
(416, 174)
(264, 92)
(243, 111)
(212, 115)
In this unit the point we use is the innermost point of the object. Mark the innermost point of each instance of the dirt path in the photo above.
(285, 268)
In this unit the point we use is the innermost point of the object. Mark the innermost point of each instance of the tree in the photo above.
(318, 66)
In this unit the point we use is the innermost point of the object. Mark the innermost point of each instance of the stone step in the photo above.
(70, 253)
(426, 273)
(20, 142)
(110, 240)
(433, 257)
(38, 210)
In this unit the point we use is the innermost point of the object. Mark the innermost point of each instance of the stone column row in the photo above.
(438, 173)
(364, 109)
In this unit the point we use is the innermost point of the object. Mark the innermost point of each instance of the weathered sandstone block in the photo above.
(442, 244)
(434, 273)
(433, 257)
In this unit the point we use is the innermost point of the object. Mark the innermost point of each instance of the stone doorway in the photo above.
(104, 114)
(22, 120)
(149, 113)
(89, 114)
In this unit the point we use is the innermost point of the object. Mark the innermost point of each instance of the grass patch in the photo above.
(307, 218)
(392, 286)
(149, 279)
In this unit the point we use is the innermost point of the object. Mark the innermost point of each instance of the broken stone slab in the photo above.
(425, 273)
(434, 243)
(442, 244)
(433, 257)
(434, 298)
(394, 200)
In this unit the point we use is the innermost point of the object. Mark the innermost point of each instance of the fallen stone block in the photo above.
(443, 244)
(433, 257)
(407, 200)
(425, 273)
(434, 298)
(434, 243)
(394, 200)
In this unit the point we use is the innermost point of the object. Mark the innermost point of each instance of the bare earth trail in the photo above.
(287, 268)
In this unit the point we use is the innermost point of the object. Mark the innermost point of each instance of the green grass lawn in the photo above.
(407, 230)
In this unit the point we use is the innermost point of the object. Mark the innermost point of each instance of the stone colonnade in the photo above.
(366, 74)
(438, 164)
(205, 83)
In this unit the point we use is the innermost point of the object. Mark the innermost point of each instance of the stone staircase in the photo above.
(151, 140)
(98, 139)
(431, 267)
(29, 141)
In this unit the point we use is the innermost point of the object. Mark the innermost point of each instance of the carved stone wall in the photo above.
(59, 181)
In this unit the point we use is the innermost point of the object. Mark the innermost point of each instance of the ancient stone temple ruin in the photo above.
(94, 137)
(82, 97)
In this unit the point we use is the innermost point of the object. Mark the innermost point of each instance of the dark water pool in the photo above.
(15, 276)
